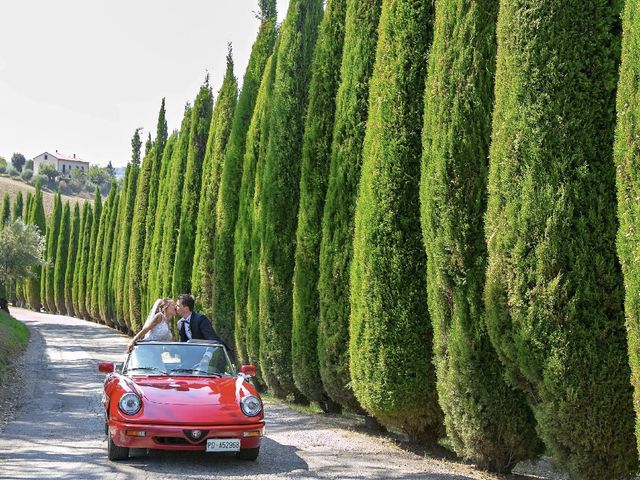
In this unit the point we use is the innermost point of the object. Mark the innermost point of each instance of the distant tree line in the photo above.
(409, 211)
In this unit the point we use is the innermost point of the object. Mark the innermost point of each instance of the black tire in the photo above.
(248, 453)
(115, 452)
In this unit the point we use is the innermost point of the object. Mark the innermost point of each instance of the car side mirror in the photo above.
(248, 370)
(106, 367)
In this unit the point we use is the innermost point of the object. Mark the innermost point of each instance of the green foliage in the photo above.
(14, 336)
(152, 207)
(62, 253)
(487, 421)
(27, 174)
(246, 278)
(203, 280)
(138, 239)
(87, 281)
(37, 218)
(172, 218)
(72, 258)
(5, 214)
(18, 206)
(626, 147)
(280, 194)
(53, 232)
(21, 251)
(104, 293)
(554, 290)
(199, 133)
(79, 268)
(49, 171)
(316, 153)
(390, 335)
(336, 245)
(154, 283)
(136, 146)
(124, 242)
(18, 161)
(227, 207)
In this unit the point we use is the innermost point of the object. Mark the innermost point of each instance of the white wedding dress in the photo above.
(160, 332)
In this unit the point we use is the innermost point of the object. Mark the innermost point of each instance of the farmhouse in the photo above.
(63, 163)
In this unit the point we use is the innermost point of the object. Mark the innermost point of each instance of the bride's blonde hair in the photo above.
(164, 304)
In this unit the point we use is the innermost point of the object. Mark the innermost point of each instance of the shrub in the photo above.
(27, 174)
(13, 171)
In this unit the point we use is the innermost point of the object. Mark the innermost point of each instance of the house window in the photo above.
(63, 165)
(46, 157)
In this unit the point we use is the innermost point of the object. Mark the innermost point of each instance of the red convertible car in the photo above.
(181, 396)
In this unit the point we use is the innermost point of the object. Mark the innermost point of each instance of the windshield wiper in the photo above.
(151, 369)
(194, 370)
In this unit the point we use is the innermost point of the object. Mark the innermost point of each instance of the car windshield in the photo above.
(178, 359)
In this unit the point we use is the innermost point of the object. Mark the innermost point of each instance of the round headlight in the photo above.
(251, 405)
(130, 403)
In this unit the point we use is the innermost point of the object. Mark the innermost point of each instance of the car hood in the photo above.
(193, 400)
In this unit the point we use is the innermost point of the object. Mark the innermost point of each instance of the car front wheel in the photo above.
(115, 452)
(248, 453)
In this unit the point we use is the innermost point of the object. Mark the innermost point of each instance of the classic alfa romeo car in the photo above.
(181, 396)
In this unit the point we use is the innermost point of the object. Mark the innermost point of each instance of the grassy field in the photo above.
(14, 336)
(13, 186)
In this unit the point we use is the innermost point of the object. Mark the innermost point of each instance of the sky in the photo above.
(80, 76)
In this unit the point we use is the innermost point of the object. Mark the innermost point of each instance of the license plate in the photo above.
(223, 445)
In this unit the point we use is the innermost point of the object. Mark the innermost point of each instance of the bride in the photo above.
(157, 325)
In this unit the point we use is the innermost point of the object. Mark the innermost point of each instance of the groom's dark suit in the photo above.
(201, 329)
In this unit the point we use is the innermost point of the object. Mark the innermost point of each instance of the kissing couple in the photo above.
(192, 325)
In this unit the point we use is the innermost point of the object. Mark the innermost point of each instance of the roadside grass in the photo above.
(14, 336)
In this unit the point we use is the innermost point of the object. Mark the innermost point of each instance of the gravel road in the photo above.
(56, 430)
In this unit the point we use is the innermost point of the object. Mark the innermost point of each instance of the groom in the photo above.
(193, 324)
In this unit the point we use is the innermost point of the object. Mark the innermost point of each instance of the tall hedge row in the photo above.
(72, 254)
(316, 152)
(626, 159)
(487, 421)
(336, 244)
(554, 292)
(280, 190)
(228, 205)
(390, 333)
(198, 138)
(203, 280)
(246, 276)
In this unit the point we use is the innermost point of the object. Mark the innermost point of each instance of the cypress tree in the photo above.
(26, 216)
(5, 214)
(99, 253)
(280, 194)
(230, 183)
(104, 287)
(487, 421)
(554, 293)
(121, 289)
(390, 336)
(87, 284)
(18, 205)
(154, 283)
(37, 218)
(202, 280)
(152, 207)
(83, 261)
(626, 144)
(62, 253)
(246, 278)
(336, 245)
(172, 219)
(200, 123)
(27, 206)
(84, 234)
(316, 152)
(138, 232)
(72, 260)
(53, 232)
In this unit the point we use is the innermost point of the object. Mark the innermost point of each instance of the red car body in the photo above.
(181, 411)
